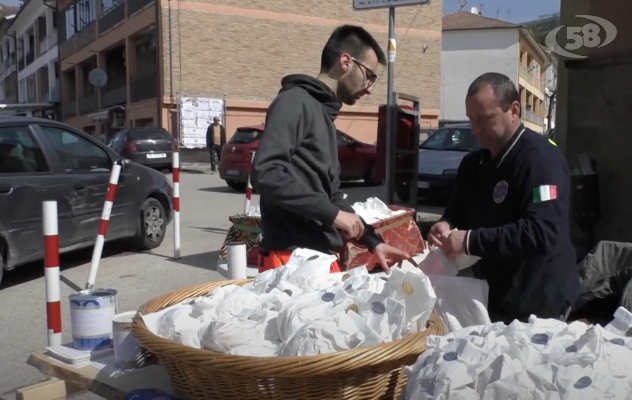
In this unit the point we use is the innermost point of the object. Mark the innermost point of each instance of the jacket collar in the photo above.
(500, 157)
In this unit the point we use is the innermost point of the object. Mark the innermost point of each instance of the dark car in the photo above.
(41, 160)
(357, 159)
(150, 146)
(439, 159)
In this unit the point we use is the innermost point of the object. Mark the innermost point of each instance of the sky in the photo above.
(519, 10)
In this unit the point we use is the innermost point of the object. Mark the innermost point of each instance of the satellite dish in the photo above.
(98, 77)
(475, 10)
(462, 3)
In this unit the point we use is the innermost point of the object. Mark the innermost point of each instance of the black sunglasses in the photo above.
(371, 76)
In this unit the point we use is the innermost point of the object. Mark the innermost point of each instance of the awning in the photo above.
(103, 115)
(14, 109)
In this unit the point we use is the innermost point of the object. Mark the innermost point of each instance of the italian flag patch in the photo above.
(544, 193)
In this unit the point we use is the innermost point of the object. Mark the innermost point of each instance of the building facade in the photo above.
(119, 38)
(473, 45)
(29, 69)
(242, 49)
(233, 49)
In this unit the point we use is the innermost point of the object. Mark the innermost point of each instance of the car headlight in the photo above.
(450, 171)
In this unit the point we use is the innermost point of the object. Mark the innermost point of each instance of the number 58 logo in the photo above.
(584, 36)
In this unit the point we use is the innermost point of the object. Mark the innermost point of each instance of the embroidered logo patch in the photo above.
(500, 191)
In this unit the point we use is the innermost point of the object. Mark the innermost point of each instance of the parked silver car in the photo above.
(439, 159)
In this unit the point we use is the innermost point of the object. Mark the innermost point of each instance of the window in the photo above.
(77, 154)
(19, 152)
(70, 22)
(118, 141)
(149, 134)
(341, 139)
(455, 139)
(245, 136)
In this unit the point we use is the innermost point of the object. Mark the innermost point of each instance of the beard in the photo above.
(346, 94)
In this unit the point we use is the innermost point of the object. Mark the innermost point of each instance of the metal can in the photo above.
(91, 313)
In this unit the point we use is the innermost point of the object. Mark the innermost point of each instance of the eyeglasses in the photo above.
(370, 76)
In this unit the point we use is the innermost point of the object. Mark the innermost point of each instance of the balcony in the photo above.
(88, 104)
(20, 64)
(7, 63)
(86, 36)
(529, 116)
(30, 57)
(51, 96)
(112, 17)
(137, 5)
(143, 88)
(69, 109)
(533, 80)
(67, 48)
(115, 93)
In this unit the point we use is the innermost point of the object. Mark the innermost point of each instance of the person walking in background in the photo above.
(215, 141)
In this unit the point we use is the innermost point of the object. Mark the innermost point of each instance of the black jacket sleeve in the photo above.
(536, 233)
(454, 213)
(209, 136)
(285, 128)
(369, 239)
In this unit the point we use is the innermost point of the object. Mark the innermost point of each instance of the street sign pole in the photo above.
(391, 104)
(391, 111)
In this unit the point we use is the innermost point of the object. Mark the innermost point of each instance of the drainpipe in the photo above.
(17, 69)
(159, 59)
(170, 55)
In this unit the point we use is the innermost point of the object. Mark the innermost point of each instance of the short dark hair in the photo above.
(502, 86)
(351, 39)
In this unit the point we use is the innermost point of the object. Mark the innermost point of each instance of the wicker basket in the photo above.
(360, 374)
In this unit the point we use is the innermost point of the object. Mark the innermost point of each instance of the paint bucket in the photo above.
(127, 352)
(91, 313)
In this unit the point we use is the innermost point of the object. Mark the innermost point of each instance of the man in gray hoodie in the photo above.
(296, 168)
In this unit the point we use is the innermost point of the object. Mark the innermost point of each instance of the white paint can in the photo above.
(91, 313)
(127, 351)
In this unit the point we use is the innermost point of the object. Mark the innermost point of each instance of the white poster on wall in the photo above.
(197, 113)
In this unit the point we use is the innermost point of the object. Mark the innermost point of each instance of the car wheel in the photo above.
(152, 225)
(369, 175)
(3, 258)
(403, 194)
(238, 186)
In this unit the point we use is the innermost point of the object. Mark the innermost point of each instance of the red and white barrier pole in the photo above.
(176, 205)
(249, 187)
(103, 225)
(51, 272)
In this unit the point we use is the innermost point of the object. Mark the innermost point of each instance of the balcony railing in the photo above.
(531, 117)
(51, 96)
(531, 78)
(111, 97)
(69, 108)
(88, 104)
(7, 63)
(112, 17)
(137, 5)
(67, 48)
(30, 57)
(143, 88)
(86, 36)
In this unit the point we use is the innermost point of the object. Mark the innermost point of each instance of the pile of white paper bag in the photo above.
(542, 359)
(301, 309)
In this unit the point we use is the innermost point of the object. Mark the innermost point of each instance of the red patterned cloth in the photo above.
(400, 232)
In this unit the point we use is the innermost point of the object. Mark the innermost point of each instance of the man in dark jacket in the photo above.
(511, 209)
(215, 141)
(296, 167)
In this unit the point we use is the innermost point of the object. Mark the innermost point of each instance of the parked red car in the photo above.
(357, 159)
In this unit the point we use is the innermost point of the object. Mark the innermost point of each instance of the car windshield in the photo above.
(149, 134)
(244, 136)
(454, 139)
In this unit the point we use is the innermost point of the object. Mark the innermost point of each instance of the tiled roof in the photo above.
(463, 20)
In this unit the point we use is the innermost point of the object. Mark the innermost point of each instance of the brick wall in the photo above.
(243, 48)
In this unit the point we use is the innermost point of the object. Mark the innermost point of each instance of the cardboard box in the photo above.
(400, 231)
(53, 389)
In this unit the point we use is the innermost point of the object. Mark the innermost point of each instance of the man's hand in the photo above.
(438, 233)
(454, 245)
(350, 225)
(386, 255)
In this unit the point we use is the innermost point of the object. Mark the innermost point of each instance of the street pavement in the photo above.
(206, 204)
